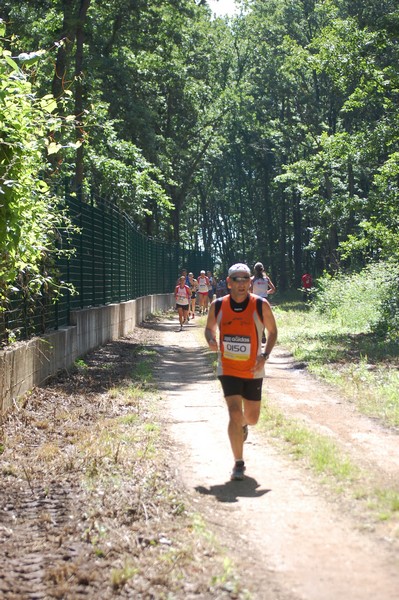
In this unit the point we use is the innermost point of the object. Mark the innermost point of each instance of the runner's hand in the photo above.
(260, 362)
(213, 345)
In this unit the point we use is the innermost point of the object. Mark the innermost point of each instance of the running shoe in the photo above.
(245, 432)
(237, 473)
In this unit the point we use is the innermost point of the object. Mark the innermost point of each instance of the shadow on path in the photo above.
(178, 356)
(232, 490)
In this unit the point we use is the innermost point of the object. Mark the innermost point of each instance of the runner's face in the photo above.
(239, 285)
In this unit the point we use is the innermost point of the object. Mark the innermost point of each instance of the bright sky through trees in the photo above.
(222, 7)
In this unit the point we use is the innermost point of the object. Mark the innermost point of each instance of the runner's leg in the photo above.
(251, 411)
(236, 422)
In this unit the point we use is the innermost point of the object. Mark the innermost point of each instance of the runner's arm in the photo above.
(211, 328)
(270, 325)
(272, 287)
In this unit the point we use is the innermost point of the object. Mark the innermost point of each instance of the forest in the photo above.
(271, 136)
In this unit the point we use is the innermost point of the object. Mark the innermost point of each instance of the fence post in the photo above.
(93, 261)
(103, 251)
(81, 294)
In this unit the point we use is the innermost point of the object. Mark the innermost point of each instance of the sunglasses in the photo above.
(240, 279)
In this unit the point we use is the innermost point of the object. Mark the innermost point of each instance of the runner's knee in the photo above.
(251, 415)
(235, 413)
(251, 419)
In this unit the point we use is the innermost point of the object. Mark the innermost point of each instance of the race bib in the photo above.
(182, 298)
(237, 347)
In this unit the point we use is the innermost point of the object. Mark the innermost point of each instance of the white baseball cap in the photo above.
(239, 268)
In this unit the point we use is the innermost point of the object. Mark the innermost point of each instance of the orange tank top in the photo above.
(240, 338)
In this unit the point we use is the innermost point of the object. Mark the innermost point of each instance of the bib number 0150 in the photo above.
(237, 347)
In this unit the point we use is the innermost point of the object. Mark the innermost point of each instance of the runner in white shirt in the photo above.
(183, 297)
(203, 288)
(262, 286)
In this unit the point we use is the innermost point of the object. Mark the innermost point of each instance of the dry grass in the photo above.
(87, 469)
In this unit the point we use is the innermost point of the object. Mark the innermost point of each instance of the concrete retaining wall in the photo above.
(28, 364)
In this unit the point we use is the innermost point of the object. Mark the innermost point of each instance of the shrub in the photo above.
(31, 217)
(368, 300)
(386, 323)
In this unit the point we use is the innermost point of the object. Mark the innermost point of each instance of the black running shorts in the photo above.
(183, 306)
(250, 389)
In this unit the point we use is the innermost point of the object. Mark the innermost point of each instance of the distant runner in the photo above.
(183, 297)
(307, 284)
(261, 284)
(203, 288)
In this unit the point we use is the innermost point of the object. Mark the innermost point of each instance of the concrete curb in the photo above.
(30, 363)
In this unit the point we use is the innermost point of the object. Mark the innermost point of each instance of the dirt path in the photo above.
(289, 540)
(63, 534)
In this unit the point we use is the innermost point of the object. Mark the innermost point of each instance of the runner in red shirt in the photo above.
(307, 284)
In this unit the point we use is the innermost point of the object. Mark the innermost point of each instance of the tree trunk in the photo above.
(297, 219)
(79, 169)
(283, 243)
(66, 41)
(74, 16)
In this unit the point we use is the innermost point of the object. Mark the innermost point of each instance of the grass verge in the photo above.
(358, 363)
(333, 467)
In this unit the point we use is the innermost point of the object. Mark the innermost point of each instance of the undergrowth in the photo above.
(339, 337)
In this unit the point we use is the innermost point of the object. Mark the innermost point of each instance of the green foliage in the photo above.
(373, 241)
(364, 301)
(340, 345)
(140, 187)
(30, 215)
(386, 323)
(163, 84)
(273, 136)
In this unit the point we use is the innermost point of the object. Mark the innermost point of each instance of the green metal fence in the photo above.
(113, 262)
